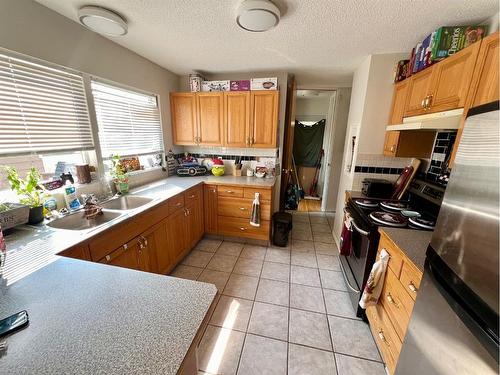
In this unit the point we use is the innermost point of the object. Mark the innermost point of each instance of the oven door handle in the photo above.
(346, 279)
(361, 231)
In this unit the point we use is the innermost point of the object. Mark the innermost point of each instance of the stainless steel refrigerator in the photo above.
(454, 325)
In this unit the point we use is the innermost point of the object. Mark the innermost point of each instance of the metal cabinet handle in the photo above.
(252, 141)
(145, 241)
(125, 246)
(382, 337)
(412, 287)
(243, 228)
(178, 204)
(391, 300)
(185, 212)
(422, 103)
(192, 196)
(392, 148)
(242, 209)
(213, 190)
(229, 191)
(108, 258)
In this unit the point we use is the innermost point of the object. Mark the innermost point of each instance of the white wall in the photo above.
(368, 115)
(342, 101)
(32, 29)
(312, 106)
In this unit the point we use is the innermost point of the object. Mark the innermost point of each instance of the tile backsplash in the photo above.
(440, 155)
(377, 166)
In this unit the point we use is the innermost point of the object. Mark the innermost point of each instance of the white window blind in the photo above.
(128, 121)
(41, 109)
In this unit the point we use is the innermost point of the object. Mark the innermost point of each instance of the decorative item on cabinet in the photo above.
(195, 82)
(211, 86)
(264, 83)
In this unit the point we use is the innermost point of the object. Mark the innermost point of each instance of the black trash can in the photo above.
(282, 225)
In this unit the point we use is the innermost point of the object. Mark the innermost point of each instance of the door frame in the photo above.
(328, 158)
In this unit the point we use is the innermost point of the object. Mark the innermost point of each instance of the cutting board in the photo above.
(404, 180)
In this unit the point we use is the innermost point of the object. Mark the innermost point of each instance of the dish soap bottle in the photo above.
(70, 197)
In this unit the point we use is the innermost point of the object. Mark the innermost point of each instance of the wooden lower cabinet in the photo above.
(194, 222)
(210, 205)
(80, 251)
(176, 233)
(390, 317)
(156, 241)
(129, 255)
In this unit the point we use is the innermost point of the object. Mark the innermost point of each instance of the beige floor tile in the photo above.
(352, 337)
(303, 360)
(269, 320)
(323, 237)
(253, 252)
(219, 350)
(197, 259)
(305, 276)
(304, 235)
(303, 246)
(332, 280)
(218, 278)
(325, 248)
(300, 218)
(310, 329)
(276, 271)
(207, 244)
(186, 272)
(328, 262)
(263, 356)
(304, 259)
(249, 267)
(272, 291)
(318, 219)
(223, 263)
(278, 256)
(356, 366)
(232, 313)
(321, 228)
(307, 298)
(230, 248)
(338, 303)
(241, 286)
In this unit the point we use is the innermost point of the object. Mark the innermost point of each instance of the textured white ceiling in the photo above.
(320, 41)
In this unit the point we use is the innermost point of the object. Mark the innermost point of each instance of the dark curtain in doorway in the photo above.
(307, 143)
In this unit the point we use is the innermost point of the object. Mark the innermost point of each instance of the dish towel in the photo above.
(373, 287)
(255, 218)
(345, 236)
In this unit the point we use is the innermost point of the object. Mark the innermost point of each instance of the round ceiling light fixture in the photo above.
(257, 15)
(102, 21)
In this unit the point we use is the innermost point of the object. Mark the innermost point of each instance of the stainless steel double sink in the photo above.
(112, 209)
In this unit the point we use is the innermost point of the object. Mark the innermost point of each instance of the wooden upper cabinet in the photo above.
(451, 79)
(391, 143)
(236, 118)
(264, 119)
(210, 109)
(484, 86)
(399, 102)
(418, 90)
(184, 118)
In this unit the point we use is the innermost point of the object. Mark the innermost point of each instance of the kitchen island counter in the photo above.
(89, 318)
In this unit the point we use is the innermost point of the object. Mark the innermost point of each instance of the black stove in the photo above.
(418, 211)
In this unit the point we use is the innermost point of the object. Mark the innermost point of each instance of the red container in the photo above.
(243, 85)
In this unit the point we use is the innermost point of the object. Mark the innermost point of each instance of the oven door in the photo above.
(360, 244)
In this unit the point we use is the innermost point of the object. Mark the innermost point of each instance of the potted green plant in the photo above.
(119, 175)
(29, 191)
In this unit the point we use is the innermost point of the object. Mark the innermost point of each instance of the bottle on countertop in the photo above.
(70, 197)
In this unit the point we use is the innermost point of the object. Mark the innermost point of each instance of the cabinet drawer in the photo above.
(385, 336)
(175, 203)
(410, 279)
(241, 207)
(230, 191)
(192, 194)
(396, 259)
(397, 303)
(231, 226)
(265, 194)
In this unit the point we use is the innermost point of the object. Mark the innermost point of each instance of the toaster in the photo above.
(377, 188)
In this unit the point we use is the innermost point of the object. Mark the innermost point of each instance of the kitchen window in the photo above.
(128, 121)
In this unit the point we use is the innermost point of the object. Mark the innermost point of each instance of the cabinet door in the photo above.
(126, 256)
(236, 118)
(194, 223)
(399, 102)
(391, 143)
(484, 87)
(210, 106)
(264, 119)
(183, 112)
(451, 79)
(80, 251)
(176, 234)
(155, 240)
(418, 89)
(210, 202)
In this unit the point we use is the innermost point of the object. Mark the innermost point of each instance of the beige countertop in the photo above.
(412, 242)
